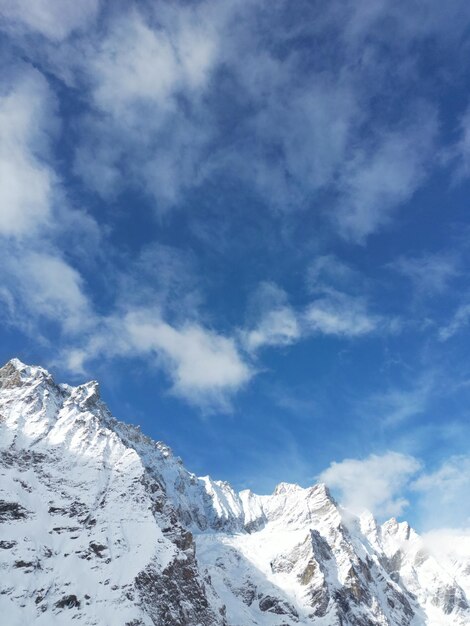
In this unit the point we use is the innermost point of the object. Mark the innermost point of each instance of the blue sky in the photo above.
(249, 221)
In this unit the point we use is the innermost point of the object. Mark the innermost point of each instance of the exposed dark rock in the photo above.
(68, 602)
(64, 529)
(247, 592)
(309, 572)
(57, 510)
(98, 548)
(176, 597)
(10, 511)
(320, 546)
(9, 377)
(450, 598)
(275, 605)
(319, 600)
(23, 564)
(23, 459)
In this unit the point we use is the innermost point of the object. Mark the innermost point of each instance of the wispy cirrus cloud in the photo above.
(162, 100)
(398, 404)
(460, 320)
(303, 129)
(378, 180)
(327, 273)
(337, 306)
(430, 273)
(145, 79)
(54, 19)
(462, 148)
(339, 314)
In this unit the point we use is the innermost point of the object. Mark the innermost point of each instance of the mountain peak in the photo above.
(15, 372)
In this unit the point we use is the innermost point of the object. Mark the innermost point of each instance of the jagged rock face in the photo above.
(100, 525)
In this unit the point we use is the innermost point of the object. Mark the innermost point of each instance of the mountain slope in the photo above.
(100, 525)
(87, 530)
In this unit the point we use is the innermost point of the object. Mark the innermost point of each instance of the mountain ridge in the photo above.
(95, 499)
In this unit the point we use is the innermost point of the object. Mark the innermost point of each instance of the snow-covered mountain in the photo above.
(100, 525)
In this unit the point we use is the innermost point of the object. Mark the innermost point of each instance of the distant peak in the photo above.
(394, 527)
(284, 488)
(87, 394)
(318, 489)
(92, 387)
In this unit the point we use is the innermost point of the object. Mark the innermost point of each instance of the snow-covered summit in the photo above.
(15, 372)
(101, 525)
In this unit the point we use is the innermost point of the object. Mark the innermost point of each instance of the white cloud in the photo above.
(139, 68)
(54, 19)
(26, 181)
(139, 75)
(205, 367)
(51, 287)
(375, 483)
(278, 327)
(273, 321)
(202, 363)
(379, 483)
(337, 310)
(449, 541)
(341, 315)
(42, 285)
(134, 63)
